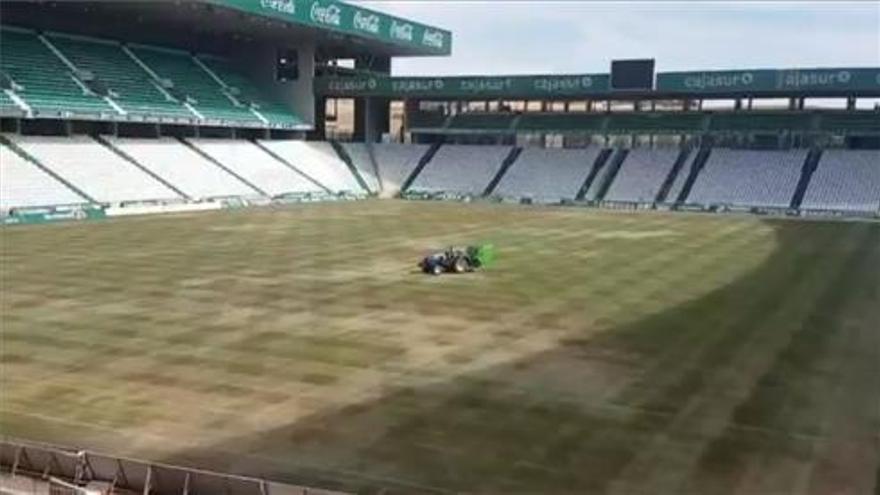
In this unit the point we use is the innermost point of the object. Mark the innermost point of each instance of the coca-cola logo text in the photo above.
(283, 6)
(401, 31)
(432, 38)
(326, 14)
(366, 22)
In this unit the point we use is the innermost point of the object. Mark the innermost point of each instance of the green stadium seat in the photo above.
(248, 93)
(103, 69)
(130, 86)
(482, 121)
(655, 122)
(7, 106)
(426, 120)
(759, 121)
(5, 81)
(561, 122)
(192, 82)
(47, 84)
(856, 121)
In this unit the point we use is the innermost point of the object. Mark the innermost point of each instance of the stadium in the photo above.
(212, 213)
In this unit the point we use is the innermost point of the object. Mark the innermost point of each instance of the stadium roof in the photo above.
(339, 29)
(398, 36)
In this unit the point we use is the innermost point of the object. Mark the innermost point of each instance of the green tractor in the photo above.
(458, 259)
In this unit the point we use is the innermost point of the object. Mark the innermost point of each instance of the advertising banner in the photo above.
(769, 81)
(488, 87)
(350, 19)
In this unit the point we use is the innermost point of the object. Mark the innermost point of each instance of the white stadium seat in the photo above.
(461, 169)
(360, 158)
(395, 163)
(681, 177)
(94, 169)
(319, 160)
(182, 167)
(254, 165)
(642, 174)
(845, 180)
(547, 175)
(593, 191)
(748, 178)
(23, 184)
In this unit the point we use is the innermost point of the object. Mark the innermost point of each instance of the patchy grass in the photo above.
(603, 353)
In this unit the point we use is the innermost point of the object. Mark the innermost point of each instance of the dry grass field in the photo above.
(604, 352)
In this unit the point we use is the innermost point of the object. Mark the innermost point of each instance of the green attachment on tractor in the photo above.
(485, 254)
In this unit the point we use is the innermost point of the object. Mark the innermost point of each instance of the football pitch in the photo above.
(604, 352)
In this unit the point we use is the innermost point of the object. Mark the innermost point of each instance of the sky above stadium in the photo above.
(531, 36)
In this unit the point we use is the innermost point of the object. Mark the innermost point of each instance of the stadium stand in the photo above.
(360, 158)
(508, 162)
(663, 193)
(246, 160)
(422, 163)
(615, 161)
(845, 180)
(58, 84)
(847, 122)
(188, 171)
(25, 185)
(461, 169)
(678, 182)
(395, 163)
(128, 84)
(482, 121)
(427, 120)
(7, 106)
(656, 122)
(648, 122)
(189, 82)
(94, 169)
(748, 178)
(601, 177)
(642, 174)
(759, 121)
(547, 175)
(244, 90)
(561, 122)
(317, 160)
(145, 82)
(44, 82)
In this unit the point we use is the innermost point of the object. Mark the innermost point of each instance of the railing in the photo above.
(54, 469)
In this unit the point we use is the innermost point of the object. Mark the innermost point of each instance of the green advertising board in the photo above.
(489, 87)
(52, 215)
(840, 80)
(349, 19)
(788, 81)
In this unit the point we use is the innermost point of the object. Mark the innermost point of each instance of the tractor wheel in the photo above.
(436, 269)
(461, 265)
